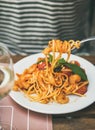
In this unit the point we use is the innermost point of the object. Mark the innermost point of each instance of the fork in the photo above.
(87, 39)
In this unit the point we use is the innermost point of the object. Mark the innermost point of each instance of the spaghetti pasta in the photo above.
(52, 78)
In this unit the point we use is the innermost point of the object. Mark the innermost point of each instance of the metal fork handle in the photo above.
(88, 39)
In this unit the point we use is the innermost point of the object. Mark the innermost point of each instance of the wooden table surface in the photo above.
(81, 120)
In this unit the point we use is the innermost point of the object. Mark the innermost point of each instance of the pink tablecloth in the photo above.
(22, 118)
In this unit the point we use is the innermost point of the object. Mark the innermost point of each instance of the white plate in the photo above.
(76, 103)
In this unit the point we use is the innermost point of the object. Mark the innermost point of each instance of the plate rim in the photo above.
(48, 111)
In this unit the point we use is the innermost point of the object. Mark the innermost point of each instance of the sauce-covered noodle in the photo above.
(52, 78)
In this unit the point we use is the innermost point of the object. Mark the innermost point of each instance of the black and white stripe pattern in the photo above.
(26, 26)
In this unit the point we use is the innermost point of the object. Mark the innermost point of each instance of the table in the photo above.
(81, 120)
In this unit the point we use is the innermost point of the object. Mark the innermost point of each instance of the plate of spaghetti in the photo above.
(54, 81)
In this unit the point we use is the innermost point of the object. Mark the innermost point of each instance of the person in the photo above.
(26, 26)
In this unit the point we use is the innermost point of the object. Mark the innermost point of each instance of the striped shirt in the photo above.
(26, 26)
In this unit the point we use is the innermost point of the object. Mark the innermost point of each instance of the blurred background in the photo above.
(27, 26)
(89, 47)
(92, 45)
